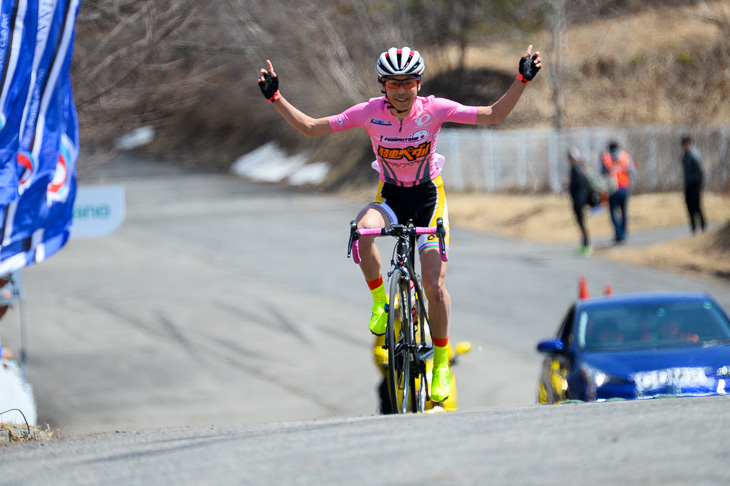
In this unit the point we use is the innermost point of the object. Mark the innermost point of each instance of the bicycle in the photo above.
(406, 332)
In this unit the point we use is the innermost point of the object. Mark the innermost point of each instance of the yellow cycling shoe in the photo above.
(378, 319)
(440, 382)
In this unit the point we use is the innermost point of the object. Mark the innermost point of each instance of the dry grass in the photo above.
(707, 254)
(549, 218)
(22, 433)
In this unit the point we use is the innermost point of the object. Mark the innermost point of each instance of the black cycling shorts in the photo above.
(423, 204)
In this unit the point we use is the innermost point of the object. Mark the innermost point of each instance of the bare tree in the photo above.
(127, 69)
(556, 19)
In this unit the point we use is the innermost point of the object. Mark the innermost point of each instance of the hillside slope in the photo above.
(189, 70)
(666, 66)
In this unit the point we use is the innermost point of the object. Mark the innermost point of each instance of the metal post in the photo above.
(555, 149)
(652, 161)
(522, 167)
(722, 157)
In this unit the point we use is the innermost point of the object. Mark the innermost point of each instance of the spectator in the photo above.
(579, 193)
(618, 166)
(693, 182)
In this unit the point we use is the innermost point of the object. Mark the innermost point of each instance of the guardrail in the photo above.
(535, 160)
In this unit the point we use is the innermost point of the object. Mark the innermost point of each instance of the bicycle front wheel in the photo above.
(423, 348)
(398, 338)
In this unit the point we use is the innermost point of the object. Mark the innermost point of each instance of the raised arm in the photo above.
(530, 64)
(312, 127)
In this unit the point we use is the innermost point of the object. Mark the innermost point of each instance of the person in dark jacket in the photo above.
(579, 193)
(693, 182)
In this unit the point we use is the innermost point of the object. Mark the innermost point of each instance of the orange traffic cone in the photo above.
(608, 290)
(582, 288)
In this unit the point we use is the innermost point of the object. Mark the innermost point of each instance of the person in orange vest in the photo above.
(618, 166)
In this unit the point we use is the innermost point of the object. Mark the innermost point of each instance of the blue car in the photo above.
(638, 346)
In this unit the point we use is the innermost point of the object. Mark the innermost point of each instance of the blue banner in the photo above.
(39, 131)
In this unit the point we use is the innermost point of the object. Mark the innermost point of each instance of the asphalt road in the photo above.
(219, 336)
(662, 442)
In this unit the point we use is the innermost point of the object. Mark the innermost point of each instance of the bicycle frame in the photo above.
(406, 331)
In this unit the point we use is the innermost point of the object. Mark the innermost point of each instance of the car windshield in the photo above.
(642, 325)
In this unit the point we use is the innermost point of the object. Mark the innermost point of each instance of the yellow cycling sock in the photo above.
(379, 317)
(440, 353)
(441, 378)
(377, 289)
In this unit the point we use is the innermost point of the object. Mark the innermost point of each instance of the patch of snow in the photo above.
(136, 138)
(269, 163)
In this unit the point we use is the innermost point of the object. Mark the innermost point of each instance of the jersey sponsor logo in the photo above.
(59, 188)
(418, 136)
(412, 138)
(30, 169)
(375, 121)
(340, 121)
(409, 153)
(423, 120)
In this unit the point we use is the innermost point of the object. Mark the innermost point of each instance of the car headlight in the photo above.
(594, 379)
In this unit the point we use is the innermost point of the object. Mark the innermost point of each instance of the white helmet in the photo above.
(400, 61)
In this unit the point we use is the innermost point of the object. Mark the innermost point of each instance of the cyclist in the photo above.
(403, 128)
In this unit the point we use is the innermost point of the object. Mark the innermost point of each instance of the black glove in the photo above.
(270, 87)
(528, 68)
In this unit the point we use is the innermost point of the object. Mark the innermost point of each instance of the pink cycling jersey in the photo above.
(405, 151)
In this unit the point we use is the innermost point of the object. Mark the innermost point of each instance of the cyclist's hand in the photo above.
(269, 83)
(530, 64)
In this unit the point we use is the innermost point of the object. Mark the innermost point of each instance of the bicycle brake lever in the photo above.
(441, 233)
(354, 235)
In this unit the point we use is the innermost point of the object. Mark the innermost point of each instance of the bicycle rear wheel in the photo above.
(398, 336)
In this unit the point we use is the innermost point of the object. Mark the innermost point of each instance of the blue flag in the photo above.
(39, 132)
(18, 23)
